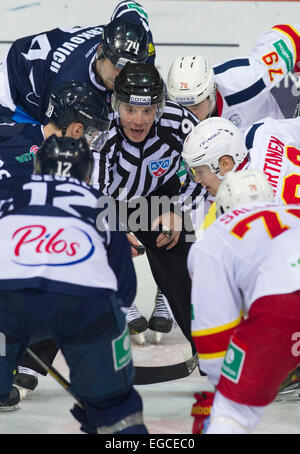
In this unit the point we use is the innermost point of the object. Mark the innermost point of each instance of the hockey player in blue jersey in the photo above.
(65, 275)
(135, 12)
(75, 109)
(36, 64)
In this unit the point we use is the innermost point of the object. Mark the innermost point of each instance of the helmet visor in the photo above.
(118, 61)
(190, 171)
(95, 138)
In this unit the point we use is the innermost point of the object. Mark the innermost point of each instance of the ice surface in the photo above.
(167, 405)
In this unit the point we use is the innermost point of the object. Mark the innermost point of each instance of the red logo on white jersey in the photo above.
(34, 246)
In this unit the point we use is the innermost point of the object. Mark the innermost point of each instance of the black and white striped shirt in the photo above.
(141, 168)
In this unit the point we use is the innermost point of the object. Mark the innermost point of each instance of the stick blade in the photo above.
(146, 375)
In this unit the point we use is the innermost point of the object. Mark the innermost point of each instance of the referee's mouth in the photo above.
(137, 134)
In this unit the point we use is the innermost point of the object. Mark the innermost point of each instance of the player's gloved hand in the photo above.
(81, 416)
(136, 248)
(201, 410)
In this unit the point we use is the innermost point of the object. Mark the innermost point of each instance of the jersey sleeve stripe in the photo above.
(20, 116)
(208, 220)
(212, 355)
(246, 94)
(217, 329)
(220, 104)
(251, 134)
(231, 64)
(213, 345)
(293, 35)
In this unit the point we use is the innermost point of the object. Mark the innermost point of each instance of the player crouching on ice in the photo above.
(65, 276)
(243, 328)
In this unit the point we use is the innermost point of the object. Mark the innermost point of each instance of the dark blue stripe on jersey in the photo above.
(20, 116)
(231, 64)
(87, 214)
(250, 136)
(245, 95)
(49, 285)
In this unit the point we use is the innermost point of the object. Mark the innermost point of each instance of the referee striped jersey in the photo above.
(130, 170)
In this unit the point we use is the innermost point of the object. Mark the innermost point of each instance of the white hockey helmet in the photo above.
(210, 140)
(242, 187)
(191, 80)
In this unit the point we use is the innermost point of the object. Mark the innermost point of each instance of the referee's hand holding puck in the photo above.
(171, 229)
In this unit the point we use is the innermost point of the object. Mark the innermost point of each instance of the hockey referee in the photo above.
(140, 161)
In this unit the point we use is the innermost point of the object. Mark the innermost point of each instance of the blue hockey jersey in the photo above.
(53, 238)
(18, 146)
(36, 64)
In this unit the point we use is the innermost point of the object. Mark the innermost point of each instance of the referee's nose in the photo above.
(139, 117)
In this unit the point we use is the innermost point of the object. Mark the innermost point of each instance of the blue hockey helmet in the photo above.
(124, 41)
(80, 102)
(65, 157)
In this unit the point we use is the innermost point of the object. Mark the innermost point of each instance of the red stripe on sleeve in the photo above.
(213, 343)
(219, 102)
(295, 37)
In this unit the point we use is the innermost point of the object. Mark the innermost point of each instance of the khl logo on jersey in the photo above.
(159, 167)
(34, 245)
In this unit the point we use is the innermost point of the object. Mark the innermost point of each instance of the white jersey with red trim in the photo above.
(244, 83)
(274, 147)
(247, 253)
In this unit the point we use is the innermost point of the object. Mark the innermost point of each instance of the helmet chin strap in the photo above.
(212, 109)
(213, 102)
(99, 56)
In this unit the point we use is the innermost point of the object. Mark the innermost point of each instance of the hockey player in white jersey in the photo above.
(216, 146)
(238, 89)
(246, 303)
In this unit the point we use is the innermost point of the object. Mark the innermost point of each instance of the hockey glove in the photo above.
(201, 411)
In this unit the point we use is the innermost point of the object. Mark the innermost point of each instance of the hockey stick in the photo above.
(56, 375)
(144, 375)
(147, 375)
(297, 110)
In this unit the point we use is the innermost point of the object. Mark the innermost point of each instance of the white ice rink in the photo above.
(167, 405)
